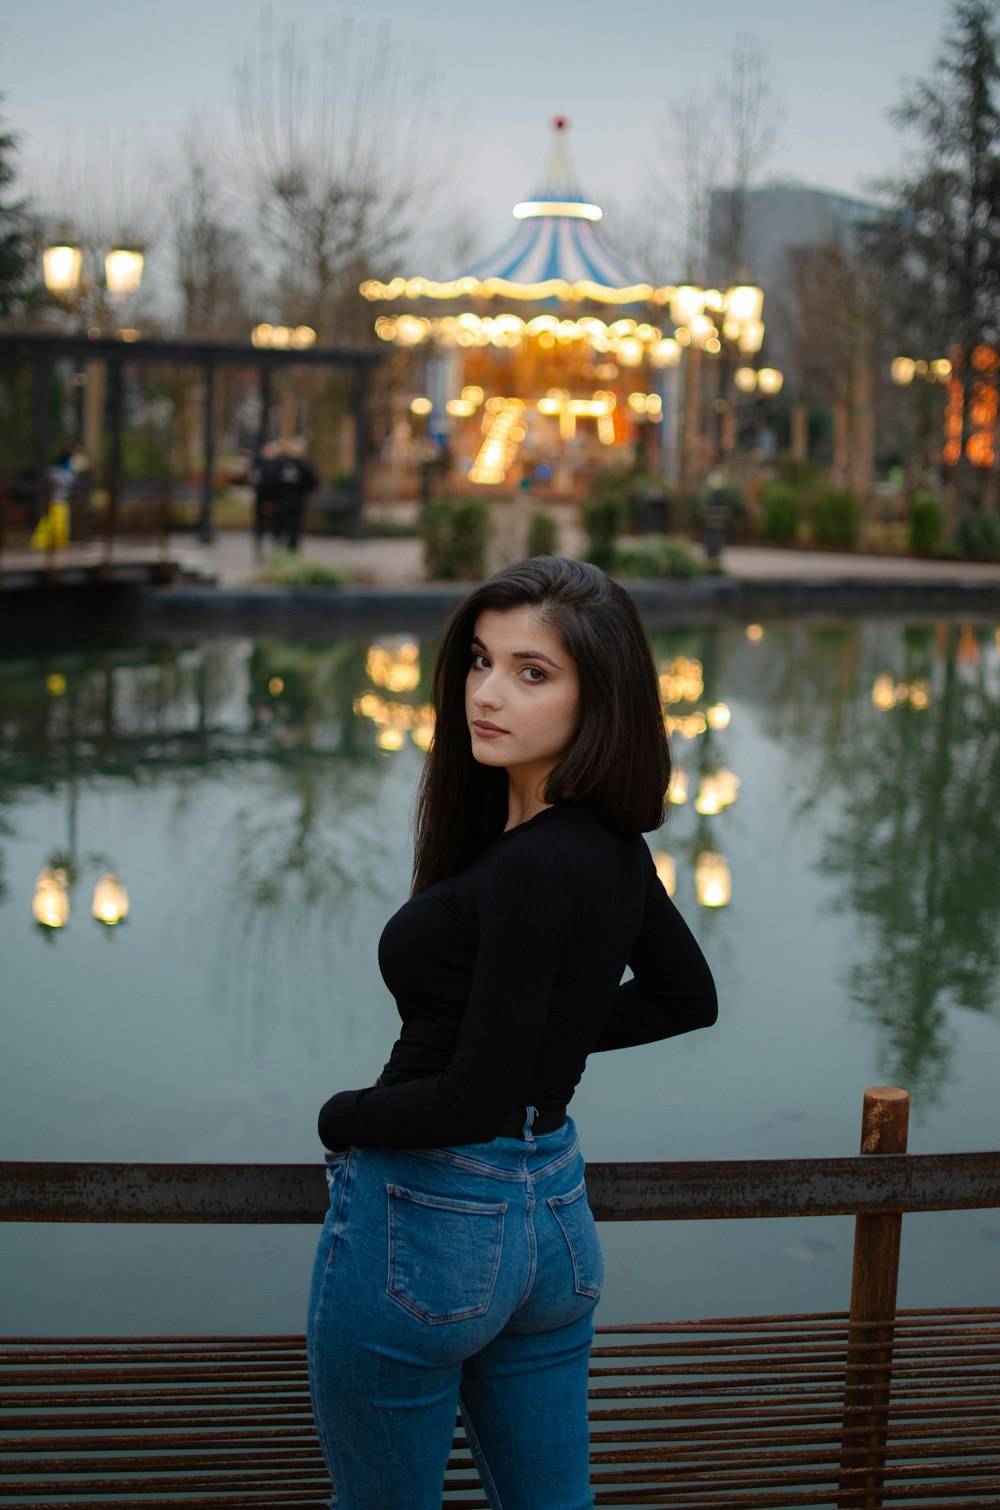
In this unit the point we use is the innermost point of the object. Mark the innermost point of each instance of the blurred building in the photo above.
(760, 232)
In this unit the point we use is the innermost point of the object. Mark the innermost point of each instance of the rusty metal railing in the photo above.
(863, 1409)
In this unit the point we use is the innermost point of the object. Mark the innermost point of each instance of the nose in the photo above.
(487, 691)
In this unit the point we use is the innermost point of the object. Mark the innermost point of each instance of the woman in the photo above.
(459, 1264)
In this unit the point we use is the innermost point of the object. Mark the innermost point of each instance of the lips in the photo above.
(486, 730)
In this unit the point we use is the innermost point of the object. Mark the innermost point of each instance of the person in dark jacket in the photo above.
(294, 481)
(263, 480)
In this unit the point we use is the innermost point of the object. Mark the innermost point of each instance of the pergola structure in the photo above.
(44, 349)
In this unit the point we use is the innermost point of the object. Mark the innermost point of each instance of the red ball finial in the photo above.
(560, 122)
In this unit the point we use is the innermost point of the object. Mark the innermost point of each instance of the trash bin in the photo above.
(653, 512)
(715, 523)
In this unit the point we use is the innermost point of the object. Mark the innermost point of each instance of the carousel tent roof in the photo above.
(557, 251)
(559, 238)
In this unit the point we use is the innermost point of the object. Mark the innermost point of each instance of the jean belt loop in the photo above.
(529, 1116)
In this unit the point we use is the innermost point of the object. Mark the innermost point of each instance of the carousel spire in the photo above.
(560, 186)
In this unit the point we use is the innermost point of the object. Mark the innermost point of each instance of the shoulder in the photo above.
(560, 847)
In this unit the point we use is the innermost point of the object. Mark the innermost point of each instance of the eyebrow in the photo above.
(521, 655)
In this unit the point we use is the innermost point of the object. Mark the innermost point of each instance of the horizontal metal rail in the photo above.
(743, 1412)
(37, 1191)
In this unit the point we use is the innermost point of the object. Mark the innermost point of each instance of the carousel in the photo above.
(553, 358)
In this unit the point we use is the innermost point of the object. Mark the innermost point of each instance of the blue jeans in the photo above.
(452, 1278)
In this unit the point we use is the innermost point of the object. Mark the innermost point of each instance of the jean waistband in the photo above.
(549, 1120)
(505, 1158)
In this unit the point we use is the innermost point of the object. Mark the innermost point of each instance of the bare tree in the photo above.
(671, 233)
(713, 146)
(339, 143)
(750, 120)
(211, 250)
(836, 305)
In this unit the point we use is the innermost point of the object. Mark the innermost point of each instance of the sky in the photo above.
(135, 70)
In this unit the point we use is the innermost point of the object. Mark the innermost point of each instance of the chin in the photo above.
(482, 754)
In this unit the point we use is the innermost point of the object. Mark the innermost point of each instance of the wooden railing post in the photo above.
(868, 1377)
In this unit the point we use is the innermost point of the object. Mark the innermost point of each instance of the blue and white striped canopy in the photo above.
(560, 247)
(558, 240)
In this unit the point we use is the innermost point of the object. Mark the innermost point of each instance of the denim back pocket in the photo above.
(444, 1254)
(577, 1222)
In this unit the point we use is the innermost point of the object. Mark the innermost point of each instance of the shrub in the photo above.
(543, 535)
(836, 517)
(805, 476)
(390, 529)
(780, 517)
(926, 524)
(602, 518)
(455, 533)
(292, 570)
(658, 558)
(979, 537)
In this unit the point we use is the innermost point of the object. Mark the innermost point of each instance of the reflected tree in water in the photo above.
(919, 832)
(301, 775)
(309, 839)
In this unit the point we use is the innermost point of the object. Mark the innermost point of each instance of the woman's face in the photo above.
(522, 693)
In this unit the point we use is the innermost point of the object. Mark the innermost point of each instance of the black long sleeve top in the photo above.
(508, 974)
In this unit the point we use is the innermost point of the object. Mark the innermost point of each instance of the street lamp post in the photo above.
(85, 294)
(904, 371)
(727, 325)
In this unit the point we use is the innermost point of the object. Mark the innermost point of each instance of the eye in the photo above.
(479, 661)
(533, 674)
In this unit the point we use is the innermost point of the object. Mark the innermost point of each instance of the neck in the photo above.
(524, 796)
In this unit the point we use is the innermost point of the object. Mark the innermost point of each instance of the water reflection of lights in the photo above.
(666, 870)
(396, 668)
(395, 720)
(718, 716)
(718, 790)
(755, 633)
(54, 885)
(678, 790)
(687, 725)
(888, 693)
(681, 680)
(713, 881)
(50, 904)
(110, 904)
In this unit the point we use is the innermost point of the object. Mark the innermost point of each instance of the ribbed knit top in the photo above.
(508, 974)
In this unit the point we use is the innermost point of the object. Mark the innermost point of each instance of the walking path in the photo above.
(382, 563)
(398, 563)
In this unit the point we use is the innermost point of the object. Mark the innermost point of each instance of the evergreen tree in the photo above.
(940, 238)
(16, 244)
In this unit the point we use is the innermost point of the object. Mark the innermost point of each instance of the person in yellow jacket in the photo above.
(52, 530)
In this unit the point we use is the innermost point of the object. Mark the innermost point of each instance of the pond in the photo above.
(254, 797)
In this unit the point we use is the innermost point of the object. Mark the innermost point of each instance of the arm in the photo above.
(672, 990)
(525, 910)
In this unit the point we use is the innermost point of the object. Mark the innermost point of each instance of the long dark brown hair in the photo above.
(619, 757)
